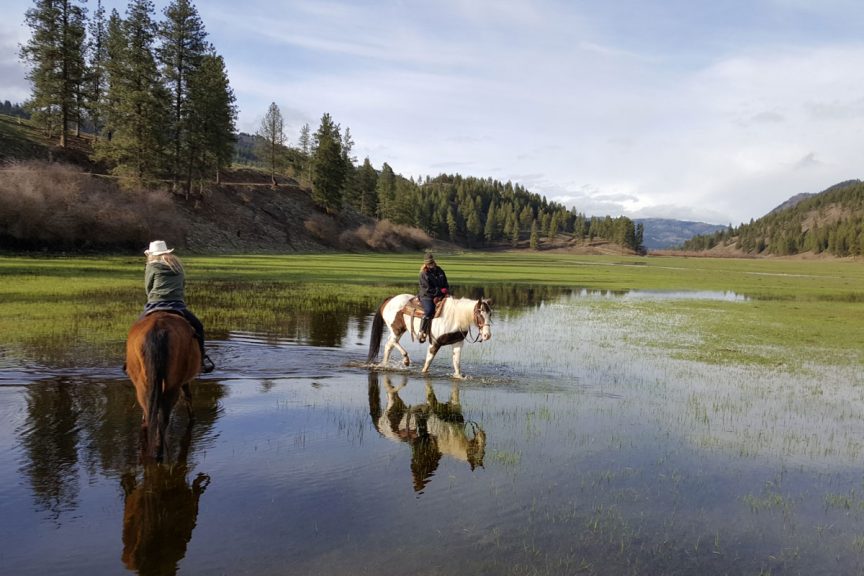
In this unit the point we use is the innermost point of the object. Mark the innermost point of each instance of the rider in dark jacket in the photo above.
(433, 285)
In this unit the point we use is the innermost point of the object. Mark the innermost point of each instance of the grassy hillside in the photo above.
(19, 140)
(831, 222)
(59, 200)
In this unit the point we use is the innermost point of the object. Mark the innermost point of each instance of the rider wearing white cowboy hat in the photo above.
(165, 283)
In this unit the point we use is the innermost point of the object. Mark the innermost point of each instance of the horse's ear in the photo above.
(488, 301)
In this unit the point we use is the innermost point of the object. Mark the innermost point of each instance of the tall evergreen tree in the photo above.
(136, 98)
(212, 118)
(534, 241)
(329, 168)
(367, 182)
(182, 49)
(490, 229)
(272, 131)
(386, 189)
(55, 53)
(96, 76)
(304, 144)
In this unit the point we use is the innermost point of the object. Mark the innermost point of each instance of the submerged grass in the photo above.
(796, 309)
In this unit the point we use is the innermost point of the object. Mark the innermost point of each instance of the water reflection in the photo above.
(159, 514)
(431, 430)
(75, 428)
(70, 426)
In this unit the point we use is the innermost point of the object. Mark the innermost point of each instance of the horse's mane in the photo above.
(455, 308)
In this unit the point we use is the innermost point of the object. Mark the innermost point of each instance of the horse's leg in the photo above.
(457, 360)
(393, 342)
(169, 398)
(430, 354)
(454, 395)
(187, 396)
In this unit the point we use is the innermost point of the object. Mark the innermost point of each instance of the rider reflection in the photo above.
(431, 430)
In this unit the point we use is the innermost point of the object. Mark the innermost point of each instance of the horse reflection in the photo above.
(159, 515)
(431, 430)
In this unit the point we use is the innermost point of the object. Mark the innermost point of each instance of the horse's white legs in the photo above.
(457, 360)
(393, 341)
(430, 354)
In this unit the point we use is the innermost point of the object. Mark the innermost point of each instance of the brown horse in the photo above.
(162, 358)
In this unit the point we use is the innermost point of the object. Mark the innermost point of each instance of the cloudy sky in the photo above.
(714, 111)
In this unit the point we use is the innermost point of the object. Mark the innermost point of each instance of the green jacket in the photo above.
(163, 284)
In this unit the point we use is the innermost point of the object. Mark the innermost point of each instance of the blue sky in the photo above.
(714, 111)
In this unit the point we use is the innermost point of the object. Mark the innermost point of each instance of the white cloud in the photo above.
(659, 112)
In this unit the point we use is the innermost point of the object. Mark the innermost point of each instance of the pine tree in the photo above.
(180, 54)
(55, 53)
(304, 143)
(329, 168)
(452, 225)
(367, 183)
(96, 76)
(490, 228)
(212, 117)
(534, 242)
(272, 131)
(473, 225)
(386, 189)
(136, 98)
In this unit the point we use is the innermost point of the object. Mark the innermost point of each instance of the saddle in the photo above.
(169, 310)
(415, 309)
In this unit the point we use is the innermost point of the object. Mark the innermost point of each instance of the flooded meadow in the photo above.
(589, 436)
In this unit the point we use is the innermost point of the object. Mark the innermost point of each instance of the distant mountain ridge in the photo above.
(662, 233)
(830, 222)
(792, 202)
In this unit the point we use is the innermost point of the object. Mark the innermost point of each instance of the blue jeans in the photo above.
(428, 307)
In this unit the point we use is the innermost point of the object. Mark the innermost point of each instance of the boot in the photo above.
(207, 364)
(424, 329)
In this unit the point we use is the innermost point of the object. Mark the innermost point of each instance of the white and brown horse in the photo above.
(451, 327)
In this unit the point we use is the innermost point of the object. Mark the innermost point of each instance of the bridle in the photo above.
(479, 320)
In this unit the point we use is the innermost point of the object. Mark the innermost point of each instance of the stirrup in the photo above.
(421, 337)
(207, 364)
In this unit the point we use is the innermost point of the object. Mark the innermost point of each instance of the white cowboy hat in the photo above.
(158, 247)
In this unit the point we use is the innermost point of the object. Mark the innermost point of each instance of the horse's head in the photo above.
(483, 318)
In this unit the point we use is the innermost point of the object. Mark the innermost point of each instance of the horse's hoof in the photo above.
(406, 362)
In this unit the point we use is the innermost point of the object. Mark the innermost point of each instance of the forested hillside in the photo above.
(830, 222)
(148, 102)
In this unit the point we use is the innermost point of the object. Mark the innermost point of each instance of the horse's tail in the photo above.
(155, 363)
(375, 336)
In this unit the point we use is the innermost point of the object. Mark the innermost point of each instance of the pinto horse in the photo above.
(162, 358)
(449, 328)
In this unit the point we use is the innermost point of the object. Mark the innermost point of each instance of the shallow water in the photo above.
(570, 448)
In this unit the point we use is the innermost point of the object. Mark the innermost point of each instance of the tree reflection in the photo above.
(432, 430)
(76, 426)
(50, 437)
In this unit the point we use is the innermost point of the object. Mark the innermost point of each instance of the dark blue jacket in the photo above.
(432, 280)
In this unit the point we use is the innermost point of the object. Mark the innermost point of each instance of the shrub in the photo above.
(58, 207)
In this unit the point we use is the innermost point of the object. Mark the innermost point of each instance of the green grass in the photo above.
(20, 139)
(801, 307)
